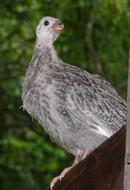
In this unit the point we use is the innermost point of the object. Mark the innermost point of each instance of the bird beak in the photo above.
(58, 26)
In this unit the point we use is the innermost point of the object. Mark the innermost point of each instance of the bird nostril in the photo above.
(58, 26)
(59, 22)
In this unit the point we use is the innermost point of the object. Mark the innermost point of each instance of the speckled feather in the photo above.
(77, 109)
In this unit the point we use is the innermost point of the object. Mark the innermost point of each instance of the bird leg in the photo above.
(81, 155)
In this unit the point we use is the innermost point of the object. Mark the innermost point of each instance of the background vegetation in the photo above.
(96, 38)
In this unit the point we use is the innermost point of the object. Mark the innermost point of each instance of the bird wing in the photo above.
(92, 100)
(87, 106)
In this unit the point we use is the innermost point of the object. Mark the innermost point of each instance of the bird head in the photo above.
(48, 30)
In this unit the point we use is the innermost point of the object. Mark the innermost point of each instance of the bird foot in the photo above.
(55, 179)
(81, 154)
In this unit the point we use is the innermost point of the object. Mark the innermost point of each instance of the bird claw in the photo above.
(60, 177)
(53, 182)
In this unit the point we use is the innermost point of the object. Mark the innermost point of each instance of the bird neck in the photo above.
(45, 42)
(46, 54)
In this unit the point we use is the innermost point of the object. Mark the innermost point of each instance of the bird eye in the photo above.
(46, 23)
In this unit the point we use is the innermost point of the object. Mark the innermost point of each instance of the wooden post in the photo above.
(103, 169)
(127, 154)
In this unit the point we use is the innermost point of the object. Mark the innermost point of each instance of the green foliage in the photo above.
(95, 38)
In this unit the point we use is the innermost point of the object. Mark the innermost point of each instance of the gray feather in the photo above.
(77, 109)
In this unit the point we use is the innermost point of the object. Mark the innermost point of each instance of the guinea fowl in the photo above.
(77, 109)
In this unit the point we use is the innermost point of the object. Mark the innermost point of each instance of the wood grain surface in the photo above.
(103, 169)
